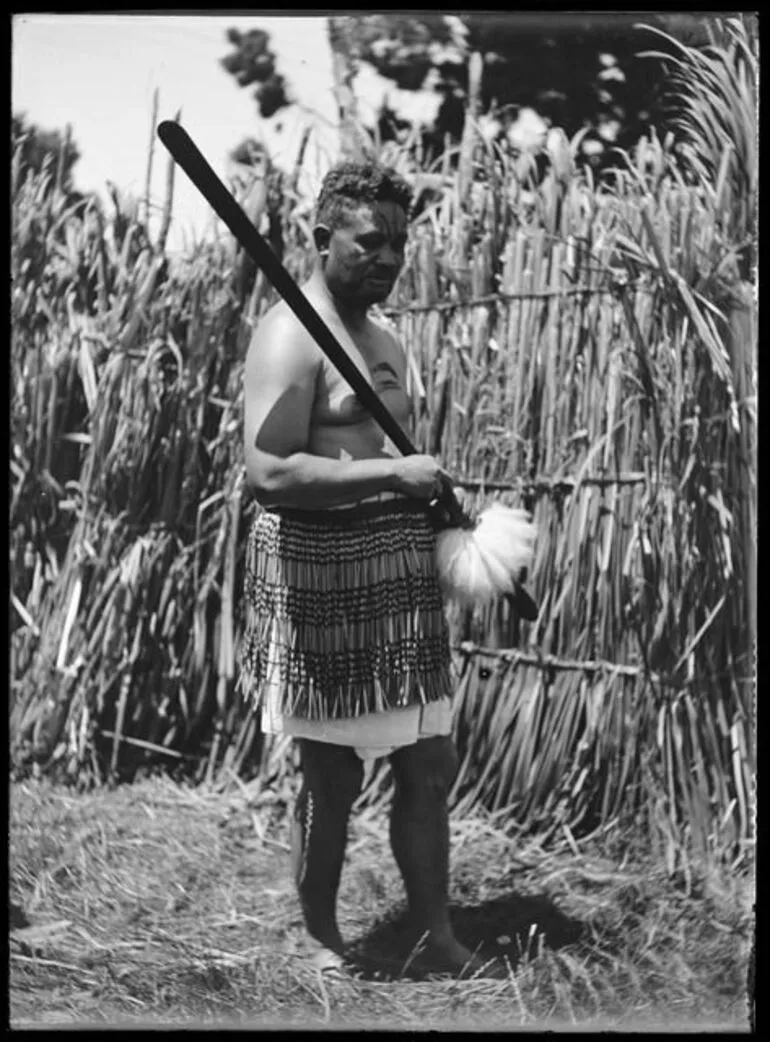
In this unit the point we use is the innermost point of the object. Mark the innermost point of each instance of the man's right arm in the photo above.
(279, 390)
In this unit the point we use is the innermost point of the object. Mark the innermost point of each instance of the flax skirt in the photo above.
(344, 615)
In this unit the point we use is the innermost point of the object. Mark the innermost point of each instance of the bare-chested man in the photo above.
(346, 645)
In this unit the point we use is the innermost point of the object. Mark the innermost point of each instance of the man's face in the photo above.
(364, 254)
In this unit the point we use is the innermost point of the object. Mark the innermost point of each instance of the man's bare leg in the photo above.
(331, 780)
(419, 836)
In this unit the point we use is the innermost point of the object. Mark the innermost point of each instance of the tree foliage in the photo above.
(578, 71)
(252, 61)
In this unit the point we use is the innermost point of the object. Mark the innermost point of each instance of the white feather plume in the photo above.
(479, 564)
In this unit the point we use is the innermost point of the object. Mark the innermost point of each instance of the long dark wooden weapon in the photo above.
(447, 512)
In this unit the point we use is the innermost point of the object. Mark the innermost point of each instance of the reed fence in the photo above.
(576, 350)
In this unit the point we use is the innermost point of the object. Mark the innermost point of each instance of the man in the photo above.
(346, 643)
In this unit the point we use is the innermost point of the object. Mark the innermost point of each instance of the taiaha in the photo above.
(478, 560)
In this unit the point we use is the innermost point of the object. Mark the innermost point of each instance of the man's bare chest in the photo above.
(378, 361)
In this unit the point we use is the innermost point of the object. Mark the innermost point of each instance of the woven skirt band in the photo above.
(344, 615)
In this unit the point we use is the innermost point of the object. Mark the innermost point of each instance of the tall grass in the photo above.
(585, 350)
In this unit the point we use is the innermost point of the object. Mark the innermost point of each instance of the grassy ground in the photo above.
(160, 905)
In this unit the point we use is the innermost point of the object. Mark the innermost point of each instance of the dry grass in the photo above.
(163, 905)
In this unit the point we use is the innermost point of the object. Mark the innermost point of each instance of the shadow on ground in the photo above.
(504, 926)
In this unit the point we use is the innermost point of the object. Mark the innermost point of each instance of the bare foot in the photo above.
(330, 964)
(324, 951)
(448, 956)
(326, 935)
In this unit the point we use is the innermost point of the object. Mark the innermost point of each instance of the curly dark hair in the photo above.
(348, 185)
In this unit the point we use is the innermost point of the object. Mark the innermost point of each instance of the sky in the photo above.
(99, 72)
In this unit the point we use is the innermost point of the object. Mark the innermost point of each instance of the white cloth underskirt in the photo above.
(371, 735)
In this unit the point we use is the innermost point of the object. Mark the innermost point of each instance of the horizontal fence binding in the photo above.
(553, 662)
(498, 298)
(543, 484)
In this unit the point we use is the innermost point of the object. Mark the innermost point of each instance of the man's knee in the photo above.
(428, 767)
(335, 770)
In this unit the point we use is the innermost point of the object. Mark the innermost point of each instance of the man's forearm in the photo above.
(306, 481)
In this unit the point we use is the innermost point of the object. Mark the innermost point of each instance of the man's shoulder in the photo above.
(280, 326)
(279, 315)
(382, 320)
(385, 328)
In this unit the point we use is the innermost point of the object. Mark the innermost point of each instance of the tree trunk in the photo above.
(352, 145)
(468, 143)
